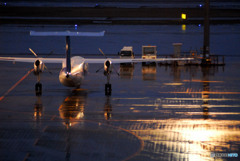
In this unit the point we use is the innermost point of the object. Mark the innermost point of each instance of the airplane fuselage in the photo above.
(78, 71)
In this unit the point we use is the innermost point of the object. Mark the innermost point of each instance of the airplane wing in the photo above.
(91, 61)
(116, 61)
(32, 60)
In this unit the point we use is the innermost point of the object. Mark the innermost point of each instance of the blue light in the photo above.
(199, 25)
(76, 26)
(200, 5)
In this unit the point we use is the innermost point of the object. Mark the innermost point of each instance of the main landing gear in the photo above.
(38, 89)
(108, 86)
(38, 85)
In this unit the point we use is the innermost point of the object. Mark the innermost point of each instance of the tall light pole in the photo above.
(206, 48)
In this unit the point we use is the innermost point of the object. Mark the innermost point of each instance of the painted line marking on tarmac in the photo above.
(15, 85)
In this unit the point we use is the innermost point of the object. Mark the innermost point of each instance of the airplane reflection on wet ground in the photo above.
(155, 113)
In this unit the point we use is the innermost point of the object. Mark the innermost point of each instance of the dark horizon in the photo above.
(177, 1)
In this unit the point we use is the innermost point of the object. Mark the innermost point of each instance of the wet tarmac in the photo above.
(155, 112)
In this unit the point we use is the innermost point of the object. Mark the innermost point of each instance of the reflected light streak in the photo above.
(72, 108)
(200, 99)
(188, 139)
(130, 98)
(196, 106)
(178, 105)
(184, 27)
(209, 113)
(173, 84)
(201, 138)
(181, 106)
(203, 92)
(143, 105)
(201, 81)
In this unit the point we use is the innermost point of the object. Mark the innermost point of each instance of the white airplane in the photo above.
(74, 68)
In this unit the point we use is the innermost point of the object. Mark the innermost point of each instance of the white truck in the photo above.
(126, 52)
(149, 52)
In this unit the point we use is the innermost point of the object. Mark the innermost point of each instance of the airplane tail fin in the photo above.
(68, 55)
(67, 34)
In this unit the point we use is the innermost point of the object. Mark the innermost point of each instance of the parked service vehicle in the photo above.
(149, 52)
(126, 52)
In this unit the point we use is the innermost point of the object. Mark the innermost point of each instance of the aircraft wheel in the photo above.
(108, 89)
(38, 89)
